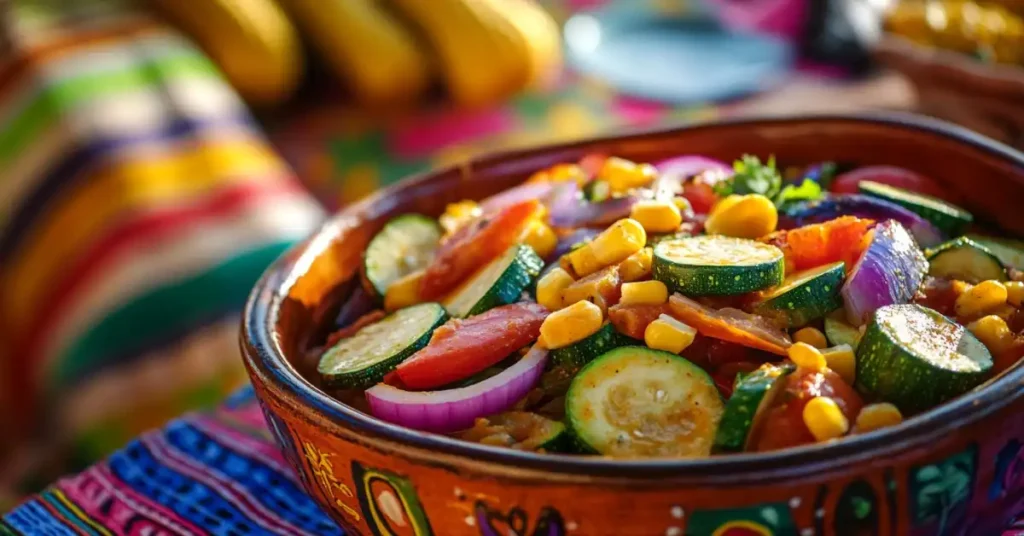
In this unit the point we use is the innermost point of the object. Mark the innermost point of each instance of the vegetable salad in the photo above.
(681, 309)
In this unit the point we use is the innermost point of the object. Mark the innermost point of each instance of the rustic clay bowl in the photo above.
(958, 469)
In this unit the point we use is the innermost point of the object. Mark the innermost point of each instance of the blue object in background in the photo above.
(672, 58)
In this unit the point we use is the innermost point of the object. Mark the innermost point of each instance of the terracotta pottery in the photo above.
(956, 470)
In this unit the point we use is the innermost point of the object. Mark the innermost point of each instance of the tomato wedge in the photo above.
(475, 245)
(462, 348)
(632, 320)
(784, 426)
(730, 325)
(810, 246)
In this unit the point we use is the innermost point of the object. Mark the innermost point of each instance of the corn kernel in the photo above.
(824, 419)
(540, 237)
(404, 292)
(875, 416)
(550, 288)
(980, 299)
(683, 204)
(458, 214)
(571, 324)
(746, 216)
(807, 356)
(843, 361)
(616, 243)
(657, 216)
(812, 336)
(1015, 293)
(668, 334)
(644, 293)
(993, 332)
(623, 175)
(637, 266)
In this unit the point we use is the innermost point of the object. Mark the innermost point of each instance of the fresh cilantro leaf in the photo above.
(752, 177)
(807, 191)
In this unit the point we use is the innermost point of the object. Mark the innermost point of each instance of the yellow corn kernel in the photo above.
(812, 336)
(993, 332)
(746, 216)
(683, 204)
(572, 324)
(667, 333)
(550, 288)
(623, 175)
(980, 299)
(875, 416)
(580, 261)
(644, 293)
(807, 356)
(561, 173)
(540, 237)
(616, 243)
(1014, 293)
(404, 292)
(657, 216)
(637, 266)
(824, 419)
(843, 361)
(458, 214)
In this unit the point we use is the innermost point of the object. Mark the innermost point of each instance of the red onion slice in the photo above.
(456, 409)
(889, 271)
(523, 192)
(686, 166)
(568, 210)
(862, 206)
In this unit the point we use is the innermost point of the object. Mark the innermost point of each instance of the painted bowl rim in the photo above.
(263, 353)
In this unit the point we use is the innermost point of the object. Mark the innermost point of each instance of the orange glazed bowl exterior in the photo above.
(956, 470)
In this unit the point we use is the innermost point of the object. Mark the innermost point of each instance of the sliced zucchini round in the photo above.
(948, 217)
(637, 402)
(717, 265)
(582, 352)
(838, 331)
(804, 296)
(751, 397)
(499, 283)
(364, 358)
(964, 259)
(1009, 251)
(915, 358)
(521, 430)
(405, 244)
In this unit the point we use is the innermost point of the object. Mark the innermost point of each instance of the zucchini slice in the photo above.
(405, 244)
(751, 397)
(499, 283)
(717, 265)
(804, 296)
(637, 402)
(948, 217)
(916, 358)
(521, 430)
(838, 331)
(364, 358)
(582, 352)
(1009, 251)
(965, 260)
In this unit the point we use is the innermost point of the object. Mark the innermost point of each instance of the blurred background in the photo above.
(156, 155)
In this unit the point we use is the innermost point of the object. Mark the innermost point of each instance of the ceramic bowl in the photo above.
(958, 469)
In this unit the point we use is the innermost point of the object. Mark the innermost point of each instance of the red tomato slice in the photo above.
(462, 348)
(700, 195)
(632, 320)
(846, 183)
(725, 376)
(784, 425)
(810, 246)
(475, 245)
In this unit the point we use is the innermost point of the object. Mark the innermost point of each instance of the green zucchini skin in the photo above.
(964, 259)
(692, 278)
(656, 381)
(751, 397)
(805, 296)
(350, 364)
(912, 378)
(579, 353)
(405, 244)
(500, 283)
(948, 217)
(839, 331)
(1009, 251)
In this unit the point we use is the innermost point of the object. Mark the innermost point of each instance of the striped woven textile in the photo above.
(139, 202)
